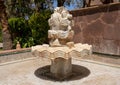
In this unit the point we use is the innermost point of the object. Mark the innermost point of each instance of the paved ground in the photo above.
(33, 72)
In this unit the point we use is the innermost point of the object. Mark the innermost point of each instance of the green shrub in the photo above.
(30, 32)
(20, 32)
(38, 23)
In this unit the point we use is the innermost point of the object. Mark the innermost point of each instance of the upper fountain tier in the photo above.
(60, 27)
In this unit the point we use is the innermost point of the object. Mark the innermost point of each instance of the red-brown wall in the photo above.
(100, 27)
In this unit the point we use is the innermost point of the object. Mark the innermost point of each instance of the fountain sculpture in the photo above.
(61, 48)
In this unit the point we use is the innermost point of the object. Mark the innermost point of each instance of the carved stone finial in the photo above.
(18, 45)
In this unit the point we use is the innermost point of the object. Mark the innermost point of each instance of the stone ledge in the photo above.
(13, 51)
(95, 9)
(14, 55)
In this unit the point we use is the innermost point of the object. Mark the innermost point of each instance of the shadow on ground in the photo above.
(78, 72)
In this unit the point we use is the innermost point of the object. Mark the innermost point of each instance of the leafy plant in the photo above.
(32, 31)
(38, 23)
(20, 32)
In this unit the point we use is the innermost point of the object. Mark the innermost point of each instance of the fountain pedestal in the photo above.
(61, 66)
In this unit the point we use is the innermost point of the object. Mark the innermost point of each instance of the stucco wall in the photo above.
(100, 27)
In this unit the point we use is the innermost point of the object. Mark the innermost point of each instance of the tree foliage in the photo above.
(23, 8)
(73, 3)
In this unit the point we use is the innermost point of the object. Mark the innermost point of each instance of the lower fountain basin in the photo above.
(61, 65)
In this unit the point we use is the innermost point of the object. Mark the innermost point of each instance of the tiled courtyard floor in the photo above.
(87, 72)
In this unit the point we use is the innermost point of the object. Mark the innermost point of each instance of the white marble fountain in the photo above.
(61, 48)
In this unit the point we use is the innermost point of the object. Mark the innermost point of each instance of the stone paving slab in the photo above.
(24, 73)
